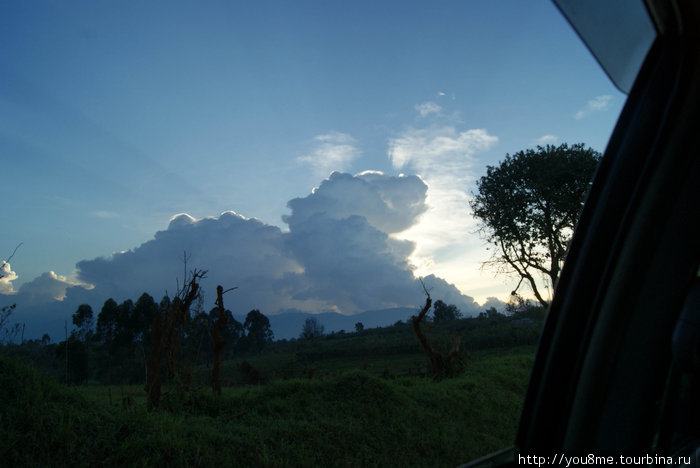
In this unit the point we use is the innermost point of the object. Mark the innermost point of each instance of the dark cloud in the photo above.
(350, 264)
(390, 204)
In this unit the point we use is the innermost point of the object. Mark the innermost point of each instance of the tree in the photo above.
(7, 333)
(528, 206)
(359, 326)
(83, 319)
(142, 315)
(440, 365)
(107, 321)
(443, 312)
(312, 329)
(166, 324)
(258, 331)
(217, 340)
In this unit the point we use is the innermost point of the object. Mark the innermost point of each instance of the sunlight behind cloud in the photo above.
(445, 235)
(49, 286)
(8, 276)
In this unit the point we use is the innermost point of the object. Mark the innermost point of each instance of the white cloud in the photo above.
(546, 140)
(47, 287)
(597, 104)
(339, 234)
(337, 255)
(105, 214)
(335, 151)
(8, 276)
(236, 251)
(444, 237)
(439, 152)
(428, 108)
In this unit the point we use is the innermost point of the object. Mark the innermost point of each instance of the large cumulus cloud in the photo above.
(391, 204)
(7, 276)
(234, 250)
(338, 255)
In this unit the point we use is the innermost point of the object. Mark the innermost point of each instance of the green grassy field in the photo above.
(339, 414)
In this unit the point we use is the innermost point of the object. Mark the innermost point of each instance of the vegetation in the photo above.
(312, 329)
(167, 384)
(344, 399)
(528, 207)
(351, 418)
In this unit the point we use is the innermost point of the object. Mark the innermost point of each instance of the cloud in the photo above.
(391, 204)
(335, 151)
(597, 104)
(439, 150)
(105, 214)
(546, 140)
(351, 265)
(7, 276)
(340, 254)
(444, 158)
(428, 108)
(236, 251)
(47, 287)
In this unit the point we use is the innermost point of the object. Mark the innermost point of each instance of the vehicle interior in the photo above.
(617, 369)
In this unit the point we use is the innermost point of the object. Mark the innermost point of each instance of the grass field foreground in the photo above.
(351, 419)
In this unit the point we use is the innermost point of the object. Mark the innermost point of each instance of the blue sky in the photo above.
(117, 116)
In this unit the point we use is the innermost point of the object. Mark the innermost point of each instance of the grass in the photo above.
(346, 417)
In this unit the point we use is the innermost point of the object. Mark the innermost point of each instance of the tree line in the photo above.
(114, 346)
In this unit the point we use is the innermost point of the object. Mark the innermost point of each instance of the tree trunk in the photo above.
(439, 363)
(217, 342)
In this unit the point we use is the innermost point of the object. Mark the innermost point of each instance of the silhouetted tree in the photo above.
(528, 206)
(258, 331)
(490, 313)
(359, 326)
(142, 315)
(440, 365)
(107, 321)
(83, 319)
(312, 329)
(7, 332)
(125, 330)
(522, 308)
(443, 312)
(171, 317)
(217, 340)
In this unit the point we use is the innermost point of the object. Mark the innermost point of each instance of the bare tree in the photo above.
(440, 364)
(164, 339)
(217, 342)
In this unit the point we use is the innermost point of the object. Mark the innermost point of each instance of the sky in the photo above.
(319, 155)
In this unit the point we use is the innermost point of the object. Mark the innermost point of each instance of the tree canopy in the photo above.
(528, 206)
(312, 329)
(258, 331)
(443, 312)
